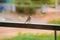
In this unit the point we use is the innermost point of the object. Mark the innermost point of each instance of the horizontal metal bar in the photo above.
(33, 26)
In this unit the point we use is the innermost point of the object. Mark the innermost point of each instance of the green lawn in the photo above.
(58, 37)
(31, 37)
(55, 21)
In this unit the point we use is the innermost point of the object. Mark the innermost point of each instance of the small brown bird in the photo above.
(28, 19)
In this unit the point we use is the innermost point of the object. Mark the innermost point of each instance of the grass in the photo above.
(58, 37)
(55, 21)
(21, 36)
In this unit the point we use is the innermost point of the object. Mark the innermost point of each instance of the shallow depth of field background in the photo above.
(22, 10)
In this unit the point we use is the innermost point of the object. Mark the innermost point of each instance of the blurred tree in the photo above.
(59, 2)
(32, 4)
(52, 1)
(43, 1)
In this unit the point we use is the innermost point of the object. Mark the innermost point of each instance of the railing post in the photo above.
(55, 34)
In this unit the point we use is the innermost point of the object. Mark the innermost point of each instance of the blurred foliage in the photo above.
(58, 37)
(55, 21)
(59, 2)
(25, 36)
(35, 1)
(20, 9)
(32, 4)
(30, 10)
(38, 2)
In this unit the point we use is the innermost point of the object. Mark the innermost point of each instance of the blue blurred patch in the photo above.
(2, 8)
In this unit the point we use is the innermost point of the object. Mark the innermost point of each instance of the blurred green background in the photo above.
(21, 36)
(25, 36)
(25, 6)
(54, 21)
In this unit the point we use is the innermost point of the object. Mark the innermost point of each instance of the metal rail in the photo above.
(33, 26)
